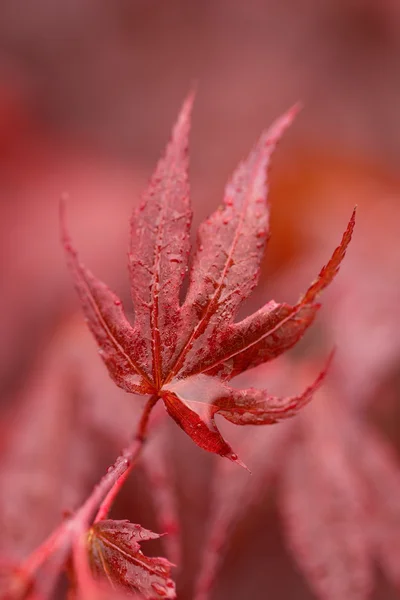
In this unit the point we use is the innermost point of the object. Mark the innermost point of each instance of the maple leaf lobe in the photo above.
(159, 251)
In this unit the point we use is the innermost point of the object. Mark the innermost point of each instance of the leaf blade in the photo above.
(322, 509)
(331, 269)
(200, 427)
(119, 342)
(256, 407)
(160, 248)
(114, 551)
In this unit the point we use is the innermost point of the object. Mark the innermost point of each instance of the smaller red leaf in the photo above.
(115, 554)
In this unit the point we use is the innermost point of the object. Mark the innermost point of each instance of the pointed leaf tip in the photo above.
(331, 269)
(279, 126)
(184, 116)
(234, 458)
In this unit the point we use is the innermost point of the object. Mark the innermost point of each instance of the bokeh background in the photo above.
(88, 92)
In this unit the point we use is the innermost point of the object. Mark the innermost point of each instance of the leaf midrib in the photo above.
(130, 557)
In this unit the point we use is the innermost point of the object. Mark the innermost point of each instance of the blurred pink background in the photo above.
(89, 90)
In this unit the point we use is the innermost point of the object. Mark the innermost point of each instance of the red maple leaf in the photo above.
(185, 354)
(115, 555)
(321, 501)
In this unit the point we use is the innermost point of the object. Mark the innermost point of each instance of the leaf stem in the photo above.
(131, 455)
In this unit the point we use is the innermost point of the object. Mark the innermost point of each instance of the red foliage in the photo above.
(114, 554)
(184, 354)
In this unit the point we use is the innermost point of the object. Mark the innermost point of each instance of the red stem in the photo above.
(108, 487)
(135, 451)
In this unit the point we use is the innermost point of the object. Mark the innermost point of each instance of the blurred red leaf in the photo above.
(42, 472)
(379, 468)
(169, 342)
(14, 585)
(323, 513)
(233, 495)
(115, 555)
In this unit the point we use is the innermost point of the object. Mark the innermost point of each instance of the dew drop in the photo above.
(110, 469)
(229, 202)
(117, 302)
(234, 456)
(170, 584)
(225, 221)
(198, 425)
